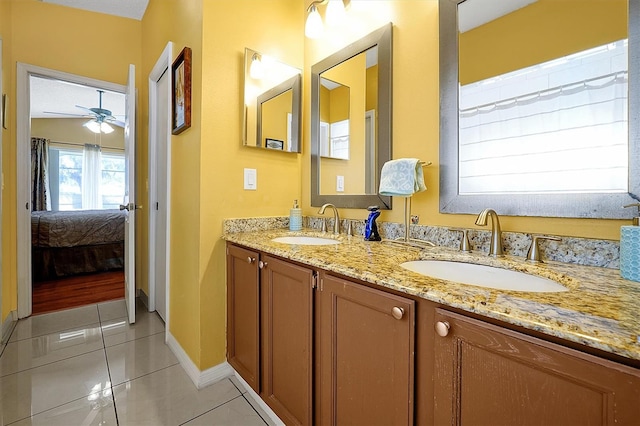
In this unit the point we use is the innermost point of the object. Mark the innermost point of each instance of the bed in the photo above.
(68, 243)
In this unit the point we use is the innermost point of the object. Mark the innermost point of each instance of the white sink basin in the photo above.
(304, 240)
(483, 276)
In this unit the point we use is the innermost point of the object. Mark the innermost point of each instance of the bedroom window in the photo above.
(65, 179)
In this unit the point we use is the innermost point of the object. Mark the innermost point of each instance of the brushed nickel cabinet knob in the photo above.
(262, 264)
(397, 312)
(442, 328)
(251, 259)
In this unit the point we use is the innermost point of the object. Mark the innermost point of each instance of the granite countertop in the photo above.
(600, 309)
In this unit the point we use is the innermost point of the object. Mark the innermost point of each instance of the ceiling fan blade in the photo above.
(117, 123)
(86, 109)
(65, 114)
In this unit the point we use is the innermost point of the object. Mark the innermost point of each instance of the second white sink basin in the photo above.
(483, 276)
(305, 240)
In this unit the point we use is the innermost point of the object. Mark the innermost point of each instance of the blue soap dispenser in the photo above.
(630, 248)
(370, 227)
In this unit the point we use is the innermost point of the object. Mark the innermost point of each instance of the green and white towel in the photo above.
(402, 177)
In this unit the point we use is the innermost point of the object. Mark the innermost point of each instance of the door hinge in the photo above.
(157, 205)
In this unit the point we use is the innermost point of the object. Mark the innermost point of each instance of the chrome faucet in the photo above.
(495, 248)
(336, 217)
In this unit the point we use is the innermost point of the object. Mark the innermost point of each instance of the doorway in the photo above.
(160, 182)
(25, 79)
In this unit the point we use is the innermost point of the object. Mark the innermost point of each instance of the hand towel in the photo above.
(402, 177)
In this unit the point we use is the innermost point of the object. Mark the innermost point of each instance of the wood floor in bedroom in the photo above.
(49, 296)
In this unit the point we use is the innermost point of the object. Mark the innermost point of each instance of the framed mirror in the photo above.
(272, 103)
(351, 122)
(539, 107)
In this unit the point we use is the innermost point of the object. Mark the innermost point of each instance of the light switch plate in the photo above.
(340, 183)
(250, 179)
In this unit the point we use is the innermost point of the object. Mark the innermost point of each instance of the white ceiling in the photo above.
(474, 13)
(58, 99)
(133, 9)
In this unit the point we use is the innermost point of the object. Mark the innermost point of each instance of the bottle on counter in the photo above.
(295, 217)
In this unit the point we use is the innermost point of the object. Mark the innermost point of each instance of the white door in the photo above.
(130, 196)
(160, 212)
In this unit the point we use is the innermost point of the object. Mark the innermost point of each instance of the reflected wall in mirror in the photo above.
(351, 123)
(272, 96)
(536, 101)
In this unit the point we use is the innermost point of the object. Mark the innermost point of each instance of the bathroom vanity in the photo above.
(341, 334)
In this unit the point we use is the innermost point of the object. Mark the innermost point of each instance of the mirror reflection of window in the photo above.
(544, 111)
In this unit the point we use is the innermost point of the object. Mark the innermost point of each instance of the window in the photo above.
(65, 179)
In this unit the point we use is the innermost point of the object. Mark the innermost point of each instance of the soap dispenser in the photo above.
(630, 248)
(295, 217)
(370, 227)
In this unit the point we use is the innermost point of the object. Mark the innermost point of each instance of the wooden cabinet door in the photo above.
(488, 375)
(287, 339)
(365, 355)
(243, 314)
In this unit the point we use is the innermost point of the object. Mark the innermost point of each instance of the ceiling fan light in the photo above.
(106, 128)
(93, 125)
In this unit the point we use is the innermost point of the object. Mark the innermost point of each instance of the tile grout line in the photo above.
(244, 395)
(104, 348)
(214, 408)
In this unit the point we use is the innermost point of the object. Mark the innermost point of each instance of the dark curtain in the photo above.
(40, 195)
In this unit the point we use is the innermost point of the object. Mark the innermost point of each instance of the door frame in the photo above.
(163, 65)
(23, 178)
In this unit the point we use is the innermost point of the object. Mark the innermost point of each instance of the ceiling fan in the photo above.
(101, 118)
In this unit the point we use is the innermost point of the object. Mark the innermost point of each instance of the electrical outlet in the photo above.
(415, 219)
(250, 179)
(340, 183)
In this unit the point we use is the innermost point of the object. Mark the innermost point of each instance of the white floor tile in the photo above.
(29, 353)
(168, 397)
(94, 410)
(236, 412)
(39, 389)
(40, 325)
(136, 358)
(112, 310)
(120, 331)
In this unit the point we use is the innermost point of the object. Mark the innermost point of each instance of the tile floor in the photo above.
(88, 366)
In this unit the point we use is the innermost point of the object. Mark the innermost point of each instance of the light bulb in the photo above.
(93, 126)
(106, 128)
(335, 13)
(313, 28)
(256, 70)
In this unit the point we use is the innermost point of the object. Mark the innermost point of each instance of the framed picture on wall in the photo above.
(181, 92)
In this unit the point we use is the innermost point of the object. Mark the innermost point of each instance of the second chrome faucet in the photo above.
(495, 248)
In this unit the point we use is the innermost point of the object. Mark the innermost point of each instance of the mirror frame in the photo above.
(295, 85)
(382, 38)
(588, 205)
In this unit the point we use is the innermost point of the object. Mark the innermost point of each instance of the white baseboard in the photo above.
(263, 405)
(199, 378)
(7, 326)
(212, 375)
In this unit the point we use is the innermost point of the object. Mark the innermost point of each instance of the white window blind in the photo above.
(559, 127)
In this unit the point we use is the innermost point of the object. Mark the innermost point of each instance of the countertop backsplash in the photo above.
(581, 251)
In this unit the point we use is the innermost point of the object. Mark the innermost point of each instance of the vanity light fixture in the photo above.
(256, 70)
(335, 15)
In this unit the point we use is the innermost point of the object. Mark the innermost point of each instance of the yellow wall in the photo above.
(416, 114)
(275, 28)
(70, 130)
(8, 210)
(486, 52)
(51, 36)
